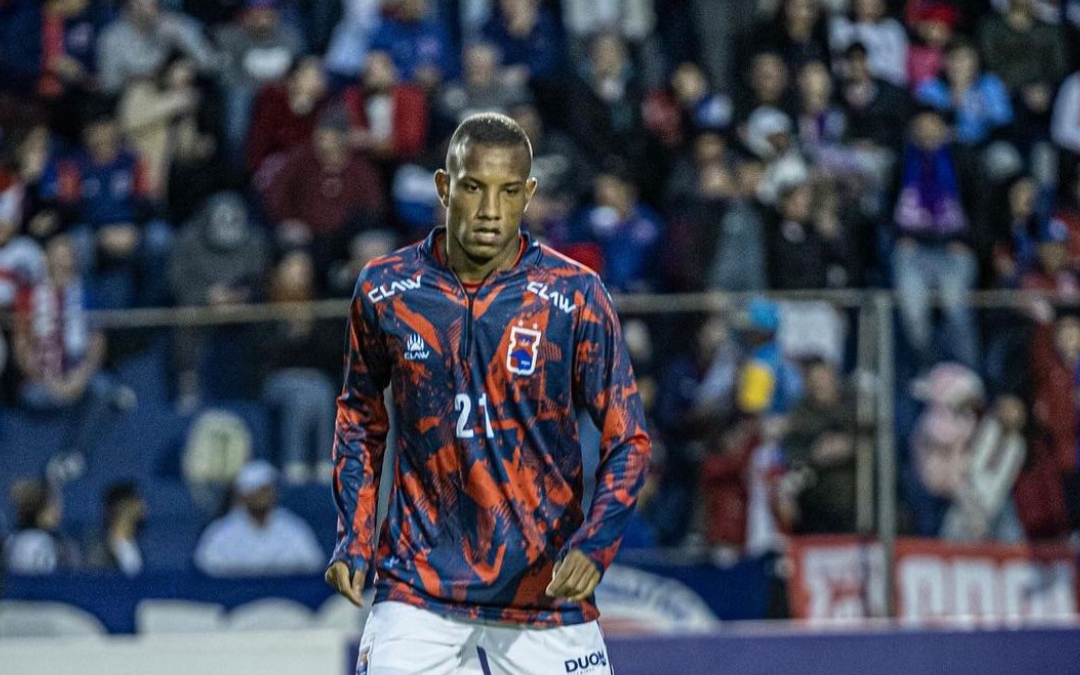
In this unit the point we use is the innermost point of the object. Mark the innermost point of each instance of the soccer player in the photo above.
(487, 560)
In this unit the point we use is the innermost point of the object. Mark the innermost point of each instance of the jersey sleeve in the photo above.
(604, 386)
(360, 432)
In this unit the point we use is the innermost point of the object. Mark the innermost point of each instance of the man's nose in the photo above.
(489, 205)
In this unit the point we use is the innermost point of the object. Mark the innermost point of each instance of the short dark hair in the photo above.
(493, 129)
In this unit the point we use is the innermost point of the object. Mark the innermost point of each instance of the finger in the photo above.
(358, 586)
(579, 577)
(558, 579)
(590, 586)
(338, 577)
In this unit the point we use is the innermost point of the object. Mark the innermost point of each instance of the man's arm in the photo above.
(604, 385)
(359, 444)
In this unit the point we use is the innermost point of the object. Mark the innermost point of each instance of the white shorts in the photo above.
(400, 639)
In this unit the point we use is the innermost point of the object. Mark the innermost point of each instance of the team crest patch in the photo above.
(523, 349)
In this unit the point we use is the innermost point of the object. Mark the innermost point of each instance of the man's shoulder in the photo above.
(561, 265)
(405, 262)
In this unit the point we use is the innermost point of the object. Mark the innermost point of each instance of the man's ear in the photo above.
(442, 186)
(530, 189)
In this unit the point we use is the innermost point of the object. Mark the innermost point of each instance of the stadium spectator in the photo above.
(60, 356)
(695, 401)
(257, 537)
(116, 547)
(159, 117)
(1052, 269)
(47, 50)
(768, 383)
(820, 122)
(1065, 125)
(1027, 54)
(364, 247)
(1067, 205)
(139, 41)
(819, 445)
(527, 36)
(388, 119)
(484, 85)
(220, 259)
(718, 236)
(300, 358)
(932, 250)
(625, 230)
(37, 547)
(977, 102)
(104, 190)
(561, 167)
(768, 83)
(414, 37)
(284, 116)
(877, 111)
(798, 256)
(347, 51)
(933, 25)
(323, 195)
(32, 149)
(632, 21)
(602, 104)
(258, 49)
(700, 108)
(1047, 492)
(21, 259)
(769, 133)
(797, 32)
(940, 444)
(885, 38)
(983, 508)
(1015, 233)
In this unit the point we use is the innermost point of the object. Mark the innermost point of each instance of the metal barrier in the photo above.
(875, 328)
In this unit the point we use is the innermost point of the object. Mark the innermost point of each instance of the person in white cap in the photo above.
(257, 537)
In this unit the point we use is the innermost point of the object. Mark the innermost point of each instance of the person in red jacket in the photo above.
(1048, 490)
(322, 195)
(388, 119)
(284, 115)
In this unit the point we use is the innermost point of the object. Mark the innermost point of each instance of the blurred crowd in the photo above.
(209, 153)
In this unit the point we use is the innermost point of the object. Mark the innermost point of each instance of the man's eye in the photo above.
(513, 191)
(472, 188)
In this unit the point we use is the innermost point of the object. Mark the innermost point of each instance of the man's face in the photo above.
(929, 131)
(60, 257)
(485, 194)
(331, 146)
(768, 77)
(261, 502)
(103, 139)
(379, 71)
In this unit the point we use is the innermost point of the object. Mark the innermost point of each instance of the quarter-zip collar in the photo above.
(530, 255)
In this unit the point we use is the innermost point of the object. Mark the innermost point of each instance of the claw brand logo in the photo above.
(523, 349)
(416, 349)
(587, 663)
(556, 298)
(386, 291)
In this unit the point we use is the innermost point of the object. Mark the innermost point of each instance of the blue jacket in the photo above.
(985, 106)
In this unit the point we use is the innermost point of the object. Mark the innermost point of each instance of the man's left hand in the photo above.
(574, 578)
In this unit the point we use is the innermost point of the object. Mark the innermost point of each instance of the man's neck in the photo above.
(472, 273)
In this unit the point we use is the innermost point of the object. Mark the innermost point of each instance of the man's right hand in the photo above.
(337, 575)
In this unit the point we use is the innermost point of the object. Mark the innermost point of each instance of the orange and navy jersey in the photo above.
(487, 486)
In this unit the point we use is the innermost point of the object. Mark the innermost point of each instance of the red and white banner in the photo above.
(983, 582)
(837, 578)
